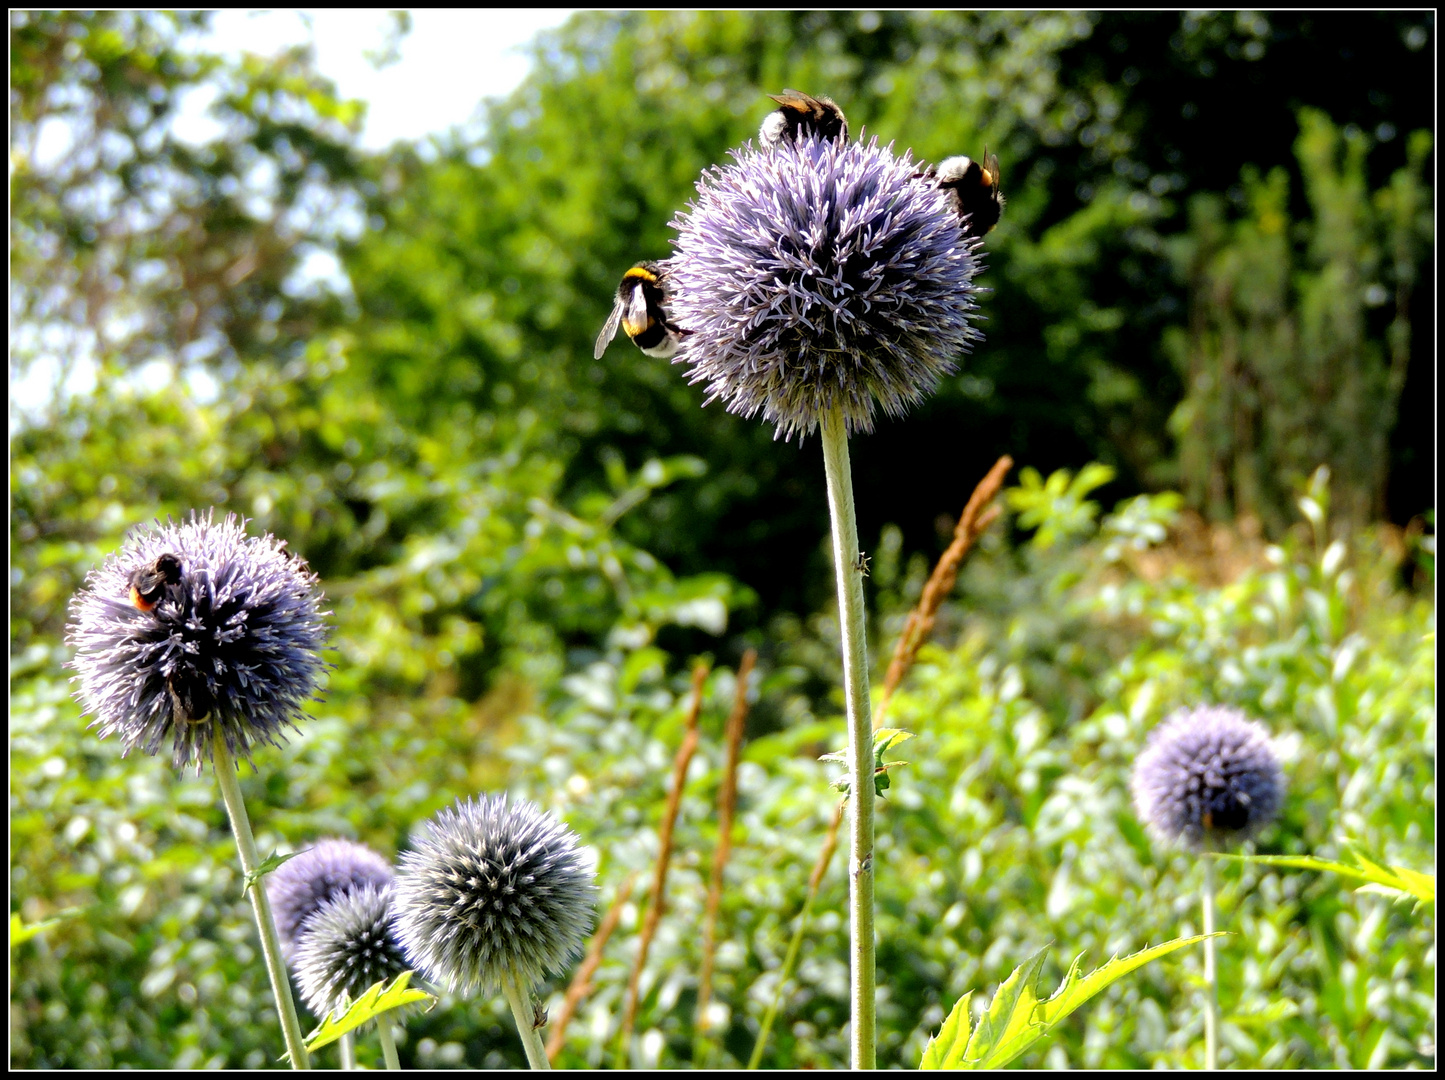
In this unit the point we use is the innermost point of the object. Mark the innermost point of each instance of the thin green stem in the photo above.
(388, 1045)
(1211, 975)
(860, 737)
(531, 1041)
(785, 974)
(225, 769)
(346, 1046)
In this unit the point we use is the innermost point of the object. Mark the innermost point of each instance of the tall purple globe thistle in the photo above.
(492, 890)
(227, 632)
(300, 887)
(820, 274)
(1209, 778)
(349, 945)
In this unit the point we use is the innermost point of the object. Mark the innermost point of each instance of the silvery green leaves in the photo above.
(820, 274)
(1208, 778)
(233, 638)
(493, 889)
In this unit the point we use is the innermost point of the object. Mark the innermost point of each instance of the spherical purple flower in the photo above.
(1209, 778)
(493, 889)
(348, 946)
(820, 274)
(301, 886)
(195, 624)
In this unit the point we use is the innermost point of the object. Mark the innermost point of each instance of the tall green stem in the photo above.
(225, 769)
(1211, 976)
(388, 1045)
(346, 1045)
(860, 736)
(531, 1041)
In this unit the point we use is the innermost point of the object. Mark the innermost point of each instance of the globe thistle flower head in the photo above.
(348, 946)
(492, 889)
(818, 274)
(1208, 778)
(301, 886)
(192, 625)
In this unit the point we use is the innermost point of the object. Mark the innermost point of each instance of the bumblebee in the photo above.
(799, 115)
(149, 583)
(972, 190)
(191, 701)
(641, 311)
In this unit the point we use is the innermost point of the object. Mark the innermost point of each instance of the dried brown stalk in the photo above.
(726, 803)
(830, 845)
(582, 982)
(664, 854)
(971, 524)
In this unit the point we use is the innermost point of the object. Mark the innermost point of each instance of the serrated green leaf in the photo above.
(375, 1000)
(945, 1050)
(1074, 991)
(1004, 1030)
(883, 738)
(1399, 878)
(1016, 1019)
(271, 862)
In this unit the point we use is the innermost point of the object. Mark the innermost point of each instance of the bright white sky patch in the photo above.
(450, 60)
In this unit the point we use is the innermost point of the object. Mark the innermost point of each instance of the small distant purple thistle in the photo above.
(492, 890)
(301, 886)
(820, 274)
(235, 641)
(349, 945)
(1209, 778)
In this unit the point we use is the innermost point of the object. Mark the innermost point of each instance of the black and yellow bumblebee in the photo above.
(149, 583)
(972, 190)
(641, 311)
(799, 115)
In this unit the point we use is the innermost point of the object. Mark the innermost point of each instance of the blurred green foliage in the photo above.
(524, 549)
(1284, 372)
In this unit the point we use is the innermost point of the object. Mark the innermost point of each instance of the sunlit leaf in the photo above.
(1016, 1019)
(373, 1002)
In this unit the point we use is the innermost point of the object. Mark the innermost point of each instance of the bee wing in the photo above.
(636, 315)
(990, 162)
(798, 101)
(609, 330)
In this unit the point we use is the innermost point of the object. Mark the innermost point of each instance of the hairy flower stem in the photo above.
(526, 1024)
(225, 769)
(1211, 973)
(388, 1045)
(860, 735)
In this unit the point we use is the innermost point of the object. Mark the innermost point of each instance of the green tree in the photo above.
(1285, 366)
(132, 244)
